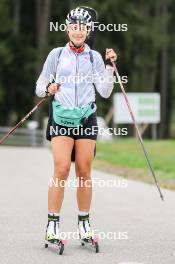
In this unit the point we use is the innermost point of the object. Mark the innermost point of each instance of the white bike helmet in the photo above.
(79, 15)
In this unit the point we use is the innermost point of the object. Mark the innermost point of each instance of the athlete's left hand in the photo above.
(110, 54)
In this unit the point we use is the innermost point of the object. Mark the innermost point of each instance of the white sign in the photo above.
(145, 107)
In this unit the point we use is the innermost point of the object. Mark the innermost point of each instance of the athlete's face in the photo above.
(77, 33)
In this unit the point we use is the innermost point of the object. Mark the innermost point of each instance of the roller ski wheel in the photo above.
(59, 243)
(93, 242)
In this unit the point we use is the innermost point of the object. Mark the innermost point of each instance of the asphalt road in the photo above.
(135, 226)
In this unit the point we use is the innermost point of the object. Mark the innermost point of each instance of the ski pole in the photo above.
(23, 120)
(137, 129)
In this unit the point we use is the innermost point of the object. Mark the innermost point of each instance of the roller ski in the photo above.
(53, 235)
(86, 235)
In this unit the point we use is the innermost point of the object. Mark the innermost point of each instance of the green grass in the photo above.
(126, 156)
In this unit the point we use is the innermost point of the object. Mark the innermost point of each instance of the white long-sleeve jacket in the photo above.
(77, 75)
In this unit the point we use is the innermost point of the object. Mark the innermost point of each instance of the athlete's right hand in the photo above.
(53, 88)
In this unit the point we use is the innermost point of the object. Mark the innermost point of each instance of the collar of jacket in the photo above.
(85, 48)
(77, 50)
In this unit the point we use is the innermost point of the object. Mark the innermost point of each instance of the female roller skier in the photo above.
(73, 105)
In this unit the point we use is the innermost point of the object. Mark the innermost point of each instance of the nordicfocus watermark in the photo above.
(101, 235)
(55, 26)
(88, 131)
(94, 182)
(91, 78)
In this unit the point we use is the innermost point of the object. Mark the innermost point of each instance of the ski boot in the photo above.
(86, 235)
(53, 235)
